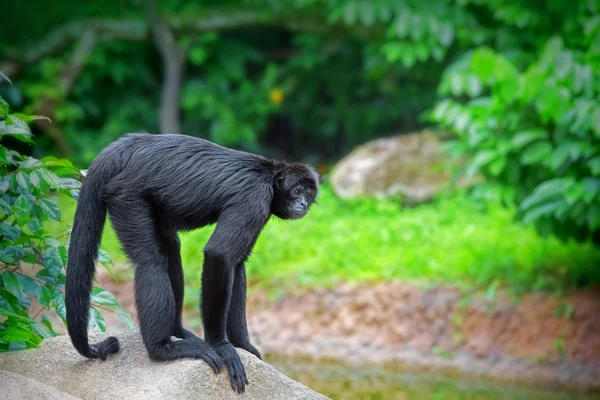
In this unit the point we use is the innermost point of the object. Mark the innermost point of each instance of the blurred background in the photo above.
(458, 224)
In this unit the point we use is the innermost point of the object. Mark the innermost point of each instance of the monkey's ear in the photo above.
(279, 179)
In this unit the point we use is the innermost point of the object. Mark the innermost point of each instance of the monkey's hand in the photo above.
(237, 373)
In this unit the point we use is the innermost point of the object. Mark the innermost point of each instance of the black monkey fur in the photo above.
(153, 186)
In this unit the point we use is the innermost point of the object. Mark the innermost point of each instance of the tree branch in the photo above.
(137, 30)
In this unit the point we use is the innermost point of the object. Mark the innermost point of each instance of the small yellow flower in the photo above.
(276, 96)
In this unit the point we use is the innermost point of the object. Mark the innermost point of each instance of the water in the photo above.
(345, 382)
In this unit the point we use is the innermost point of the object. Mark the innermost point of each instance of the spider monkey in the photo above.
(152, 187)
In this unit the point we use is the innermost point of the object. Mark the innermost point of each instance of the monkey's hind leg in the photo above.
(173, 248)
(155, 301)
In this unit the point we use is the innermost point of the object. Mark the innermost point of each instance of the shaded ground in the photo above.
(539, 339)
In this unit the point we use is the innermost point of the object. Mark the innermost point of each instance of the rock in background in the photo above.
(412, 165)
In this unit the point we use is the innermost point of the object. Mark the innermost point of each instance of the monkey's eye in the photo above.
(297, 192)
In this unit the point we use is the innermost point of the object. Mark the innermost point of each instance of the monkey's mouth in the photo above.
(298, 212)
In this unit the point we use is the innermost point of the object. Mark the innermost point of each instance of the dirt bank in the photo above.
(536, 340)
(540, 340)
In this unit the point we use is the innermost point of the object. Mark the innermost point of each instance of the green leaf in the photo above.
(591, 25)
(198, 55)
(30, 163)
(594, 165)
(446, 35)
(4, 107)
(595, 121)
(66, 171)
(59, 305)
(50, 208)
(50, 241)
(38, 117)
(42, 330)
(546, 191)
(69, 183)
(17, 346)
(551, 49)
(593, 221)
(11, 254)
(552, 102)
(51, 178)
(367, 14)
(36, 227)
(12, 283)
(47, 323)
(15, 334)
(16, 128)
(481, 159)
(474, 86)
(103, 256)
(546, 209)
(104, 298)
(30, 285)
(22, 210)
(53, 262)
(497, 166)
(523, 138)
(127, 320)
(5, 306)
(3, 156)
(5, 207)
(35, 179)
(583, 78)
(23, 181)
(45, 296)
(536, 153)
(457, 84)
(10, 232)
(591, 189)
(565, 152)
(350, 13)
(96, 321)
(564, 64)
(3, 76)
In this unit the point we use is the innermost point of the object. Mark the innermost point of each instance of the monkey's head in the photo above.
(295, 190)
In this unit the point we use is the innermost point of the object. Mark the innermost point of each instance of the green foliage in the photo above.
(534, 132)
(232, 108)
(32, 262)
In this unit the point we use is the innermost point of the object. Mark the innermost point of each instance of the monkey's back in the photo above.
(189, 180)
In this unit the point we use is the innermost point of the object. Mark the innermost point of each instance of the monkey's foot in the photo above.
(249, 348)
(237, 373)
(187, 348)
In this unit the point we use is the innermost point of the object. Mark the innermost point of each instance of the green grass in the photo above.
(454, 240)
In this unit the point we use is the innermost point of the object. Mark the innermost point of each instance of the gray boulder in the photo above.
(56, 371)
(412, 165)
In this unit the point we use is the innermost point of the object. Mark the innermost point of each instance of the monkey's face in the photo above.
(295, 191)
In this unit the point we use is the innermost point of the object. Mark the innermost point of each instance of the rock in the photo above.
(56, 371)
(410, 164)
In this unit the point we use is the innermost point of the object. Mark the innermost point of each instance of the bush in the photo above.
(32, 263)
(535, 134)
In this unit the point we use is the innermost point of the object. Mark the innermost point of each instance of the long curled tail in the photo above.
(83, 251)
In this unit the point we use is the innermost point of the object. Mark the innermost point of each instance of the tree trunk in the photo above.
(173, 59)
